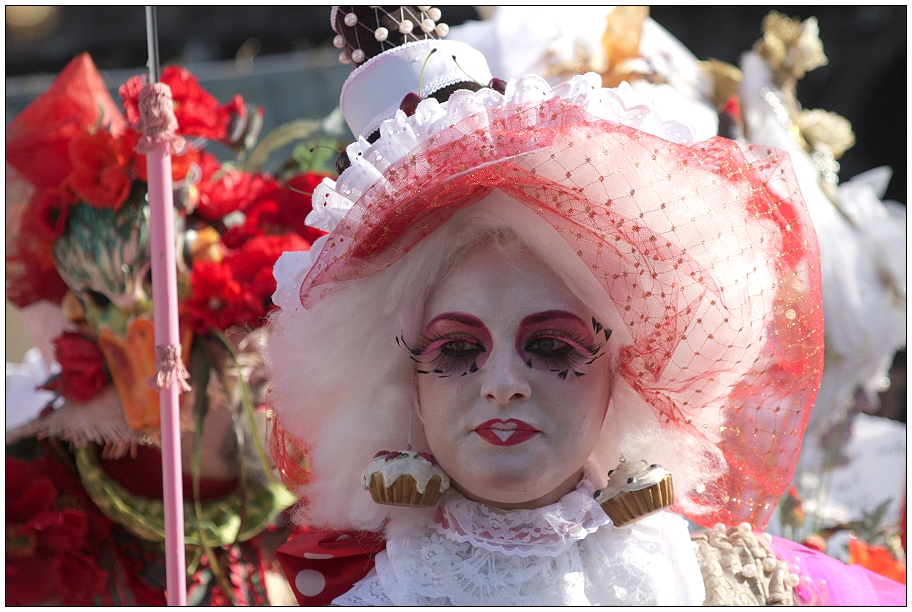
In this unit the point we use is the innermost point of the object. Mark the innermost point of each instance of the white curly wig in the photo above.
(344, 390)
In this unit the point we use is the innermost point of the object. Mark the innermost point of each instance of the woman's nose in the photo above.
(505, 378)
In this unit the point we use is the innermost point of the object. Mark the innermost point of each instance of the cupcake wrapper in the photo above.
(633, 505)
(404, 492)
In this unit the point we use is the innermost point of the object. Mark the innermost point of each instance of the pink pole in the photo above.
(164, 288)
(164, 310)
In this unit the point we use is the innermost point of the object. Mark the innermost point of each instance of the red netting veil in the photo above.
(705, 249)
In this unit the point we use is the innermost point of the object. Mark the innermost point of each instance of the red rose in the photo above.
(223, 192)
(278, 209)
(252, 265)
(100, 173)
(215, 297)
(295, 204)
(82, 373)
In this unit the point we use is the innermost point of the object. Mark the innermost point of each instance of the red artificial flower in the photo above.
(77, 578)
(100, 173)
(252, 266)
(215, 297)
(48, 542)
(279, 209)
(223, 192)
(31, 272)
(180, 164)
(82, 373)
(52, 209)
(197, 111)
(877, 559)
(37, 139)
(238, 290)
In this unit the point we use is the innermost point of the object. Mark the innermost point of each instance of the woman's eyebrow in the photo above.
(549, 315)
(457, 317)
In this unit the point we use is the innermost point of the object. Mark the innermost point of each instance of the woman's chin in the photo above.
(510, 489)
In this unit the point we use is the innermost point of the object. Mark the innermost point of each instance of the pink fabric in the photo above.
(828, 581)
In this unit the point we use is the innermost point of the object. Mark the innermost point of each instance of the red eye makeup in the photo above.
(558, 341)
(458, 344)
(452, 344)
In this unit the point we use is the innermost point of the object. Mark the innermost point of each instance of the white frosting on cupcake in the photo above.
(631, 476)
(392, 465)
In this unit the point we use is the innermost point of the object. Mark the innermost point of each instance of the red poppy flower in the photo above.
(100, 173)
(52, 209)
(82, 374)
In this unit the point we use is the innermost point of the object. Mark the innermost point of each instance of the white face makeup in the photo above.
(513, 381)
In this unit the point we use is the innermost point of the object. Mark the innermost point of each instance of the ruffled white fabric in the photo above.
(401, 134)
(568, 553)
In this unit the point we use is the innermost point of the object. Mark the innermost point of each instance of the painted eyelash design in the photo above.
(598, 327)
(570, 358)
(443, 364)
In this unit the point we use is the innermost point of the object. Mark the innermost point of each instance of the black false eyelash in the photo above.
(443, 365)
(567, 363)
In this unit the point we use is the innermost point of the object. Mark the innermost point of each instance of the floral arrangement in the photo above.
(79, 239)
(77, 236)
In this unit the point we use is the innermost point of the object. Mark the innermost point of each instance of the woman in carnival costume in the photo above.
(546, 324)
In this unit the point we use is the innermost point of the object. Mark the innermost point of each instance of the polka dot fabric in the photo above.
(705, 249)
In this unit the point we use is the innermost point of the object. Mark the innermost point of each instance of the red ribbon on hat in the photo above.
(322, 565)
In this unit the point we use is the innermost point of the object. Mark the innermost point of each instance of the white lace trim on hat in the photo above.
(402, 134)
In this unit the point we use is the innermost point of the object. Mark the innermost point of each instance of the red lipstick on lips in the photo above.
(505, 433)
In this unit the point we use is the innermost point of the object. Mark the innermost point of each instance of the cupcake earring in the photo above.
(635, 489)
(405, 478)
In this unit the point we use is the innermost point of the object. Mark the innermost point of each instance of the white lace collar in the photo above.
(568, 553)
(546, 531)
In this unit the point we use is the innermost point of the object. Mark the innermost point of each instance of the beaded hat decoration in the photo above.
(366, 31)
(705, 249)
(401, 60)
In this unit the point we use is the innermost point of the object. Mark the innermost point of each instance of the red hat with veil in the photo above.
(704, 248)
